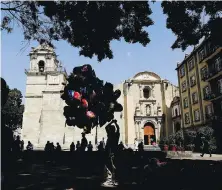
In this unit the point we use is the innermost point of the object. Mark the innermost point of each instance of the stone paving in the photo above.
(52, 176)
(193, 156)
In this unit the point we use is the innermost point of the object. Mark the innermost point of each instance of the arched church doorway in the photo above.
(149, 134)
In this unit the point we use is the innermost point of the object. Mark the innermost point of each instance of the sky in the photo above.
(129, 59)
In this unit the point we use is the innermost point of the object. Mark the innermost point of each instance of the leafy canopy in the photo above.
(12, 111)
(91, 26)
(192, 20)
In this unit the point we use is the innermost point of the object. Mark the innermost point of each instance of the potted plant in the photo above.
(190, 147)
(172, 141)
(189, 138)
(164, 144)
(179, 139)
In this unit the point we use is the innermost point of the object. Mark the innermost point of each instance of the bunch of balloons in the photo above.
(89, 101)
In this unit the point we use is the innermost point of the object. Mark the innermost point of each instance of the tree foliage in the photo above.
(13, 109)
(4, 92)
(192, 20)
(89, 26)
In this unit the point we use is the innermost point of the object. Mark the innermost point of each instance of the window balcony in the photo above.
(212, 74)
(210, 117)
(212, 96)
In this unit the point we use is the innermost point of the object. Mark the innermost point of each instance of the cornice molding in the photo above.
(31, 96)
(146, 81)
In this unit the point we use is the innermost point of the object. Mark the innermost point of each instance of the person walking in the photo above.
(90, 147)
(206, 148)
(22, 145)
(141, 147)
(135, 144)
(58, 147)
(72, 147)
(29, 147)
(84, 142)
(101, 147)
(78, 146)
(121, 147)
(111, 148)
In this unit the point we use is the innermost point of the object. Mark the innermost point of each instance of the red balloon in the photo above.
(84, 103)
(77, 95)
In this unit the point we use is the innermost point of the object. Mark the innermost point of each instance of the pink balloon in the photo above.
(90, 114)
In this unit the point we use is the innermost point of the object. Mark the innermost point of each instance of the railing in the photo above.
(212, 96)
(46, 69)
(210, 117)
(209, 51)
(211, 73)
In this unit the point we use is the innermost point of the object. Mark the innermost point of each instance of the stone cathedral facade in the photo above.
(146, 100)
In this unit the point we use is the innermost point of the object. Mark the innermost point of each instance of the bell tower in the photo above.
(43, 118)
(43, 59)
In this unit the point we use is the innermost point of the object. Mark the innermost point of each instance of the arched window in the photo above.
(41, 66)
(176, 112)
(146, 92)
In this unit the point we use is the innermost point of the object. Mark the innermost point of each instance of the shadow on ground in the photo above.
(86, 171)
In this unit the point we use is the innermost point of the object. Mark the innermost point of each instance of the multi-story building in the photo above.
(200, 84)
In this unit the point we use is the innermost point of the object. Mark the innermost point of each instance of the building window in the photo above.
(41, 66)
(197, 115)
(185, 103)
(204, 73)
(182, 71)
(146, 92)
(187, 118)
(191, 64)
(201, 54)
(218, 65)
(176, 112)
(206, 92)
(208, 110)
(193, 80)
(219, 82)
(194, 98)
(184, 86)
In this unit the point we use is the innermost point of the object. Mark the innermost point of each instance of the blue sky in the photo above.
(128, 60)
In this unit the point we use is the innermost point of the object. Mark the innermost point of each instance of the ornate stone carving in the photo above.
(48, 56)
(33, 56)
(53, 79)
(140, 90)
(152, 91)
(146, 76)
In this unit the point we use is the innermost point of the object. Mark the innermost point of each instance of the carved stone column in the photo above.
(140, 90)
(136, 129)
(154, 109)
(141, 109)
(139, 130)
(151, 110)
(158, 128)
(153, 95)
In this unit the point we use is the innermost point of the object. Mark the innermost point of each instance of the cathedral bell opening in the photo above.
(41, 66)
(149, 134)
